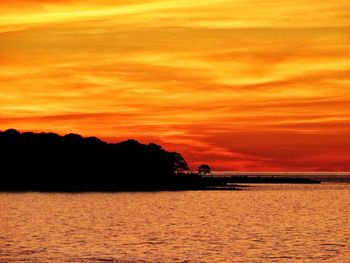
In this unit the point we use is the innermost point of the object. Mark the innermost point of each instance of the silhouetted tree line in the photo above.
(50, 162)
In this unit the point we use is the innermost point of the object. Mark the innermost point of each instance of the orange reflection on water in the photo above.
(297, 223)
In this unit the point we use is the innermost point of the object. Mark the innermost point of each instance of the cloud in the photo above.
(238, 92)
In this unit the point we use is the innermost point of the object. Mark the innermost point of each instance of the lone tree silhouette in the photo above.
(204, 170)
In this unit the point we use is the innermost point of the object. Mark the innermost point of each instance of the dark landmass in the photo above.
(225, 182)
(71, 163)
(49, 162)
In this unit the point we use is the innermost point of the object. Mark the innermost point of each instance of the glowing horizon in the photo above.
(240, 85)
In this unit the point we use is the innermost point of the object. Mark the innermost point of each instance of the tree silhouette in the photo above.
(204, 170)
(48, 161)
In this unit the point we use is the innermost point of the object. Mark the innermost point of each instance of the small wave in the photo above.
(30, 251)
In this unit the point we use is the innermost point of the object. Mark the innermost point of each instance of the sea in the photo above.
(260, 223)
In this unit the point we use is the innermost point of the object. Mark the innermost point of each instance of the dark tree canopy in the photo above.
(49, 161)
(204, 170)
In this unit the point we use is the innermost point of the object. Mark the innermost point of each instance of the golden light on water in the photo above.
(246, 85)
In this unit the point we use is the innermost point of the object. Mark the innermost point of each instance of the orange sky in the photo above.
(239, 84)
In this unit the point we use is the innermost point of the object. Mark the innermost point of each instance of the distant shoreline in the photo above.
(320, 176)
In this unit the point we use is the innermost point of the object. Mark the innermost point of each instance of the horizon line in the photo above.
(284, 172)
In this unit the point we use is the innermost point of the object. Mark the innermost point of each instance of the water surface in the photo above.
(264, 223)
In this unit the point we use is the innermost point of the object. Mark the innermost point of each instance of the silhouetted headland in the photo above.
(50, 162)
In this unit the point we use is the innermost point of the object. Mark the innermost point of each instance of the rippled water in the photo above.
(271, 223)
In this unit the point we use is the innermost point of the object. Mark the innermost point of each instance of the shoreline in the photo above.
(202, 184)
